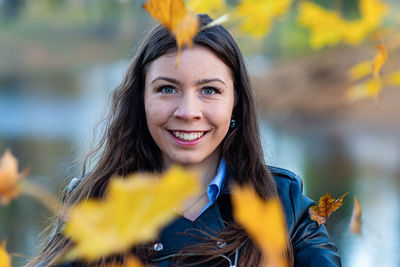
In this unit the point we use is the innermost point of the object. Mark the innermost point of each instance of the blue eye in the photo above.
(167, 90)
(209, 91)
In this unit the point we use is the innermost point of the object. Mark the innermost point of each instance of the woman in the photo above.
(199, 114)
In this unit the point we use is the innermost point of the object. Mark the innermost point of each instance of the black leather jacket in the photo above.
(312, 246)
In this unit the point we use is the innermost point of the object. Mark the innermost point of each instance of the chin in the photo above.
(187, 161)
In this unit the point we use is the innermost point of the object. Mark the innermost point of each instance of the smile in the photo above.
(188, 136)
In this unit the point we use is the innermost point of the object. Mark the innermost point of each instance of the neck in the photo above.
(206, 169)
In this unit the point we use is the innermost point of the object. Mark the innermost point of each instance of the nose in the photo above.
(188, 108)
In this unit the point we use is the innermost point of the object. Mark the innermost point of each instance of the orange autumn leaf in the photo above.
(131, 261)
(9, 178)
(355, 221)
(379, 60)
(264, 221)
(327, 204)
(5, 259)
(173, 14)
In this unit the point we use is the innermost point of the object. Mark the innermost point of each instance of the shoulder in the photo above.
(290, 190)
(311, 243)
(285, 178)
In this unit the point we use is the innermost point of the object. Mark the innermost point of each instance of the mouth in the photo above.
(188, 136)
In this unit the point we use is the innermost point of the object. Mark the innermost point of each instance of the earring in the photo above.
(233, 123)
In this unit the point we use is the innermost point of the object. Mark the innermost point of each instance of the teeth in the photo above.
(188, 136)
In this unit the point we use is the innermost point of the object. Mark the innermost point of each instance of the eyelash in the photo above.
(161, 89)
(216, 90)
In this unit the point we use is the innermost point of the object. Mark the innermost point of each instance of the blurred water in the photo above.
(48, 131)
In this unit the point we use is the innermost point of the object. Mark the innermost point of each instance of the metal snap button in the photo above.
(158, 246)
(221, 244)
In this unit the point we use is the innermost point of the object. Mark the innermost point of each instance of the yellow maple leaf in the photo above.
(328, 28)
(173, 15)
(257, 16)
(393, 78)
(372, 11)
(5, 259)
(378, 61)
(327, 204)
(9, 178)
(372, 87)
(369, 89)
(355, 221)
(211, 7)
(264, 221)
(134, 210)
(367, 67)
(361, 70)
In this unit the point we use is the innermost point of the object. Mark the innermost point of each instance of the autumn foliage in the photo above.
(355, 222)
(136, 207)
(9, 178)
(264, 220)
(173, 15)
(133, 211)
(5, 259)
(327, 204)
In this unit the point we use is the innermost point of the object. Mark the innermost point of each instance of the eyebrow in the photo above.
(198, 82)
(210, 80)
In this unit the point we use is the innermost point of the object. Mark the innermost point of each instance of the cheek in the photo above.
(221, 117)
(153, 114)
(157, 112)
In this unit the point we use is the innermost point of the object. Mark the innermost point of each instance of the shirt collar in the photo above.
(216, 185)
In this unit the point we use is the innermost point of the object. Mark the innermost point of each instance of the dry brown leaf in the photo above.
(9, 178)
(355, 222)
(327, 204)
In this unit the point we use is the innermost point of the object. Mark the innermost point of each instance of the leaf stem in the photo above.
(41, 194)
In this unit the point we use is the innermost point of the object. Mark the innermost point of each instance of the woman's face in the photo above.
(189, 106)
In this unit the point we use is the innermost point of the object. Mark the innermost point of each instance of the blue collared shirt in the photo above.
(215, 186)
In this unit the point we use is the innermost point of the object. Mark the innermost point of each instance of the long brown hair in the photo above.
(127, 145)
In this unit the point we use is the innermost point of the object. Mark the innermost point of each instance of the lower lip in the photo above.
(187, 143)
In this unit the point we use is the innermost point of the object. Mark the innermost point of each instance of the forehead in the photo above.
(196, 62)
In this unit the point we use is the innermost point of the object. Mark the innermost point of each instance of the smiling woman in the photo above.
(188, 111)
(199, 114)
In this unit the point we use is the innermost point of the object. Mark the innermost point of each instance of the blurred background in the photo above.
(60, 59)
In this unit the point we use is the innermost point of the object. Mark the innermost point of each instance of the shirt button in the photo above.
(158, 246)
